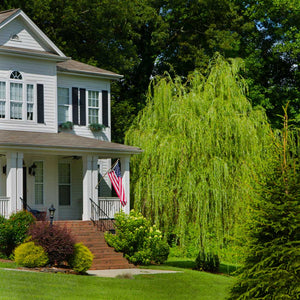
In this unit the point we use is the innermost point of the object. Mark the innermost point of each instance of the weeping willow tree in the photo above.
(202, 143)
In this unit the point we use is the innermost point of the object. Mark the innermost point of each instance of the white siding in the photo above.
(69, 81)
(33, 72)
(27, 39)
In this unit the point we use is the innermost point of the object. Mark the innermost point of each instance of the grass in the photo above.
(187, 284)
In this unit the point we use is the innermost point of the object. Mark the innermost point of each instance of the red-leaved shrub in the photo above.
(56, 241)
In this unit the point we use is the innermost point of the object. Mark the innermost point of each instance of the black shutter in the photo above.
(40, 103)
(82, 107)
(105, 108)
(75, 105)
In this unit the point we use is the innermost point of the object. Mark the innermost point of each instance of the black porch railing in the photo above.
(40, 215)
(101, 219)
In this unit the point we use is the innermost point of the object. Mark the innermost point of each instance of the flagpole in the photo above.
(106, 173)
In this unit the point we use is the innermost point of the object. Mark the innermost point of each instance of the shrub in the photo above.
(82, 258)
(30, 255)
(271, 269)
(160, 252)
(14, 231)
(56, 241)
(207, 261)
(140, 242)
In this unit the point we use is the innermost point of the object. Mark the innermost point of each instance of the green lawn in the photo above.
(186, 285)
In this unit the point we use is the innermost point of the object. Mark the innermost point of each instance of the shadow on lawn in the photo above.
(184, 264)
(227, 269)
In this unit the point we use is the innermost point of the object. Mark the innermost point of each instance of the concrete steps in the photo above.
(105, 257)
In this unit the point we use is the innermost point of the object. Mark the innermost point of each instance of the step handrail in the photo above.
(96, 219)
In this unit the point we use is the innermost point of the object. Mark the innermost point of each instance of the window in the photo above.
(64, 182)
(16, 100)
(93, 107)
(39, 182)
(2, 99)
(63, 105)
(16, 75)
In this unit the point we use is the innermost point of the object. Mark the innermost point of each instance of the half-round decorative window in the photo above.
(15, 75)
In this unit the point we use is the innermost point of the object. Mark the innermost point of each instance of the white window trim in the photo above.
(70, 164)
(69, 105)
(99, 106)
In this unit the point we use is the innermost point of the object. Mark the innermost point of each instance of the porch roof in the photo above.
(61, 141)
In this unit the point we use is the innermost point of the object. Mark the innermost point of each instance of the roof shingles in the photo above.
(61, 140)
(6, 14)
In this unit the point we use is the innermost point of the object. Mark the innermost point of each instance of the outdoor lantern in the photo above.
(31, 169)
(51, 211)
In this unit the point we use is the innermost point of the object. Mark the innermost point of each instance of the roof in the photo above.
(7, 13)
(61, 141)
(23, 51)
(79, 67)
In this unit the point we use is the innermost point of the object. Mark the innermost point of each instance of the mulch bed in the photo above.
(60, 269)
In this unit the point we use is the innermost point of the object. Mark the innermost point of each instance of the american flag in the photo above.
(116, 180)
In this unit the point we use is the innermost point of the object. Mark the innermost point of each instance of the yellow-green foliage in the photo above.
(30, 255)
(82, 258)
(202, 143)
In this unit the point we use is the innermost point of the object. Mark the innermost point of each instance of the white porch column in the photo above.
(14, 180)
(125, 170)
(19, 203)
(90, 180)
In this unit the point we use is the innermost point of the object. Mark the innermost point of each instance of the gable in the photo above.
(17, 31)
(18, 35)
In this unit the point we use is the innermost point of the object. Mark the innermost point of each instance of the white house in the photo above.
(41, 92)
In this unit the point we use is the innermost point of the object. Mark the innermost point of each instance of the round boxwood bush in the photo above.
(207, 261)
(30, 255)
(82, 258)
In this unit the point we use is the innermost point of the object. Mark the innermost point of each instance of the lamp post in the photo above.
(51, 211)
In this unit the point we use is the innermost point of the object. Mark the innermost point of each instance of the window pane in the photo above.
(2, 109)
(64, 180)
(64, 194)
(30, 93)
(93, 97)
(63, 114)
(93, 115)
(29, 111)
(39, 172)
(39, 193)
(16, 92)
(16, 111)
(63, 96)
(2, 91)
(64, 173)
(39, 182)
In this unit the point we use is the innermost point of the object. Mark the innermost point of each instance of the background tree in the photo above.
(201, 142)
(272, 269)
(272, 53)
(144, 38)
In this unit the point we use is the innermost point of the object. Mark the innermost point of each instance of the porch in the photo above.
(63, 175)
